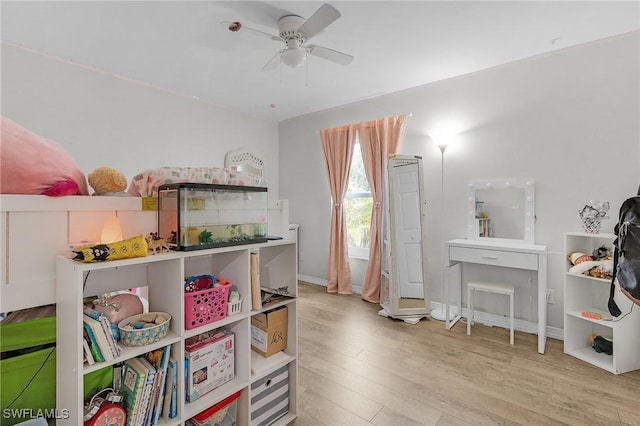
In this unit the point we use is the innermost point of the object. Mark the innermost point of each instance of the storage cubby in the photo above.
(585, 293)
(163, 276)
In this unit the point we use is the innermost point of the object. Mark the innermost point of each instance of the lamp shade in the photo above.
(111, 231)
(293, 57)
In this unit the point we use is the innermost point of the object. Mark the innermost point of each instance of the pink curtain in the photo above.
(378, 139)
(337, 144)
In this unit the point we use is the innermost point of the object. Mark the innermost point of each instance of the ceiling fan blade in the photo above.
(329, 54)
(273, 62)
(239, 27)
(324, 16)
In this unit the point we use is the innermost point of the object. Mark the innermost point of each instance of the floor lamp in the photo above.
(440, 313)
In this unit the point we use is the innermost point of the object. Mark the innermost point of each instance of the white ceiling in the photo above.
(182, 46)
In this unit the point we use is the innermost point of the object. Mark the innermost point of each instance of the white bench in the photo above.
(497, 288)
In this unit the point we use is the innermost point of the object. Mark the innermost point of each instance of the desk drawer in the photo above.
(509, 259)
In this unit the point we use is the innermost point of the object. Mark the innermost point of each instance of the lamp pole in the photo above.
(440, 314)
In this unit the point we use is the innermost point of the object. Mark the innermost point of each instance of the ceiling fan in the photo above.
(295, 31)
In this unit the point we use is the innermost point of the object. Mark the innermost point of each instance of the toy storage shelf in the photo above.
(586, 293)
(164, 275)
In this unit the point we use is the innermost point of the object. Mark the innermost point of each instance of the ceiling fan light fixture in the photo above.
(294, 57)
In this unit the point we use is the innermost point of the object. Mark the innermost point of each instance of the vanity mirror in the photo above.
(501, 209)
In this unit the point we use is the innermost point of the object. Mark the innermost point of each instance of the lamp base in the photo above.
(440, 315)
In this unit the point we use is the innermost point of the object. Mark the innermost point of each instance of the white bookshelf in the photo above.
(163, 275)
(586, 293)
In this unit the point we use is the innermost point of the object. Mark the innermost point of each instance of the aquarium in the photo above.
(193, 216)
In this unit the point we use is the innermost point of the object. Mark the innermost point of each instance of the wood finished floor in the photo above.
(358, 368)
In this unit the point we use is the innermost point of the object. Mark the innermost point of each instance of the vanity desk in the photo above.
(506, 254)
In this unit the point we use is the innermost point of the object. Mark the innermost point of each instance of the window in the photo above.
(357, 206)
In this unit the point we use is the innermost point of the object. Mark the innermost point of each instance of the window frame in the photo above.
(357, 252)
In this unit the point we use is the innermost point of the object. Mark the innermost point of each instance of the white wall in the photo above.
(569, 119)
(102, 120)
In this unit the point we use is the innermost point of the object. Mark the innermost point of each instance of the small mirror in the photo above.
(501, 209)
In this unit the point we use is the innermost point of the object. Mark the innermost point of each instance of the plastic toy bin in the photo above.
(224, 413)
(29, 364)
(205, 306)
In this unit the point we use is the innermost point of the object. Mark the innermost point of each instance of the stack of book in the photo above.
(99, 342)
(147, 386)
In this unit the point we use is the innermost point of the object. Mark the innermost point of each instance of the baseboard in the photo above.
(357, 289)
(480, 317)
(312, 280)
(502, 321)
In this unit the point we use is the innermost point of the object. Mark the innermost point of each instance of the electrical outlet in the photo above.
(549, 296)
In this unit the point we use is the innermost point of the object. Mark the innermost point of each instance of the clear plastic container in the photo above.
(224, 413)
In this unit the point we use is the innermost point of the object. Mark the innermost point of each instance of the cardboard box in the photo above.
(269, 331)
(209, 362)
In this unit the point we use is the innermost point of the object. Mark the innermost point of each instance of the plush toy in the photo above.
(577, 258)
(108, 181)
(33, 164)
(601, 344)
(592, 265)
(125, 249)
(601, 252)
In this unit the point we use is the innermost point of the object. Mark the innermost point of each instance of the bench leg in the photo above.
(511, 317)
(469, 310)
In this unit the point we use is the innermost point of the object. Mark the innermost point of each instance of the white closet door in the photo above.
(408, 231)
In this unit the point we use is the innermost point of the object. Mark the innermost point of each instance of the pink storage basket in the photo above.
(205, 306)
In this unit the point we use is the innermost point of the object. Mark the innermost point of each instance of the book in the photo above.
(173, 406)
(87, 352)
(168, 388)
(100, 336)
(160, 360)
(133, 382)
(155, 358)
(93, 343)
(144, 411)
(106, 326)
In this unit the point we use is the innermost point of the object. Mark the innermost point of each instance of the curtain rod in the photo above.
(410, 114)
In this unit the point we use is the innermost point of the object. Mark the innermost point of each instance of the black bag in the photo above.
(626, 256)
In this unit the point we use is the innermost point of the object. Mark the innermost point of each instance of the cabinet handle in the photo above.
(490, 257)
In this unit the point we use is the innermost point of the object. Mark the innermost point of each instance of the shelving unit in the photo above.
(586, 293)
(164, 275)
(484, 227)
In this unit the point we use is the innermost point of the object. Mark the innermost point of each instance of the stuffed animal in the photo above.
(601, 252)
(108, 181)
(596, 267)
(125, 249)
(32, 164)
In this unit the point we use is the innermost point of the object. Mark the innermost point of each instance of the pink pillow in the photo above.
(31, 164)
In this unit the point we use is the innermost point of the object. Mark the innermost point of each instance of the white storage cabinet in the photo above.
(164, 276)
(587, 293)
